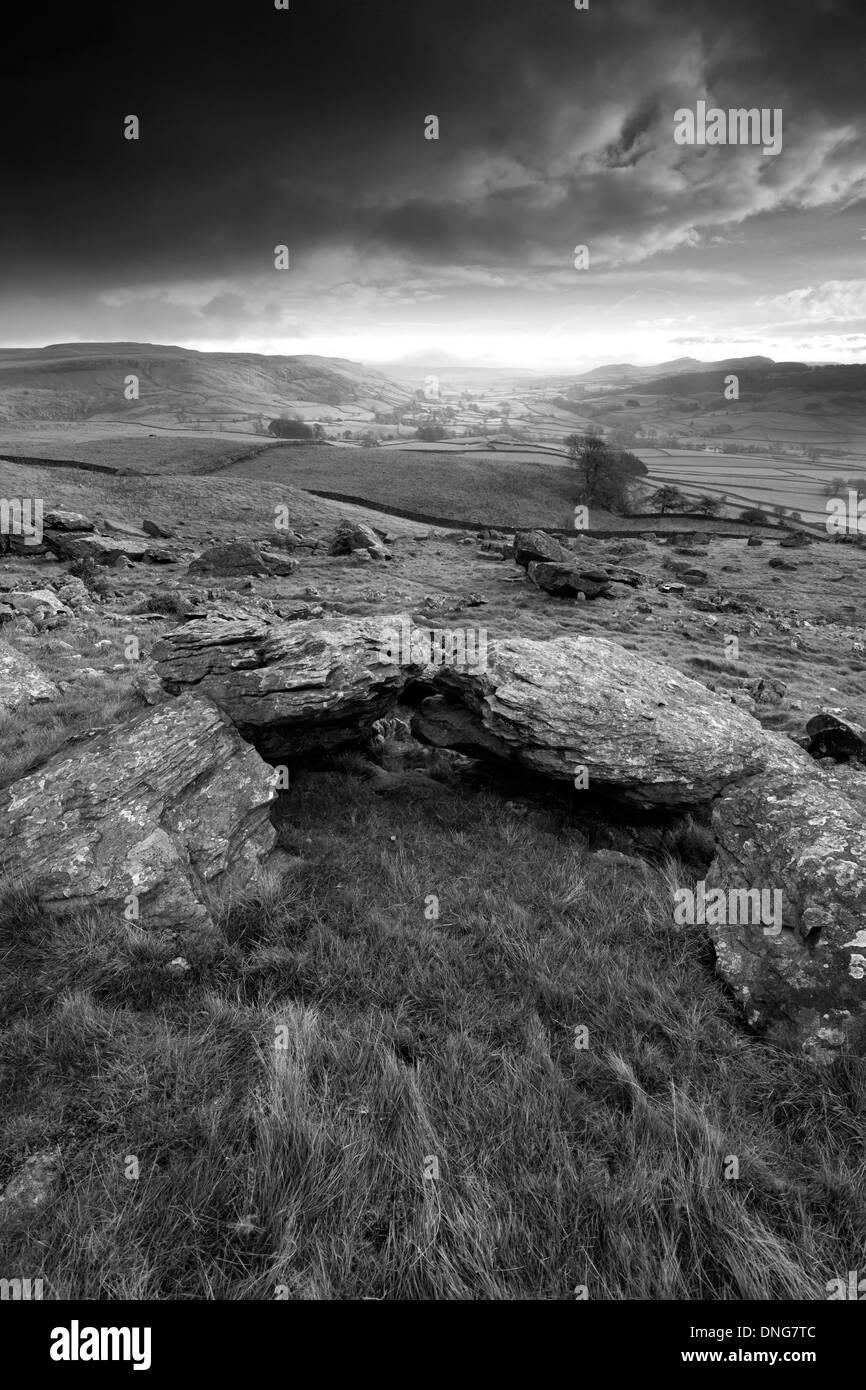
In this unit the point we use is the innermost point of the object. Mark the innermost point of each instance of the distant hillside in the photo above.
(760, 375)
(84, 381)
(626, 373)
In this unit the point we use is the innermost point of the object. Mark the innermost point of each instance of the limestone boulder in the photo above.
(531, 546)
(22, 682)
(242, 558)
(792, 830)
(102, 550)
(166, 807)
(354, 537)
(567, 581)
(289, 685)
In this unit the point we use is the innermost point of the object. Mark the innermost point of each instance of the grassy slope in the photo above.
(298, 1169)
(503, 490)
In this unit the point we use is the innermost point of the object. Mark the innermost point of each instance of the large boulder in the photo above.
(102, 550)
(834, 733)
(792, 830)
(538, 545)
(567, 581)
(643, 732)
(21, 681)
(39, 605)
(290, 685)
(155, 528)
(165, 807)
(243, 557)
(354, 536)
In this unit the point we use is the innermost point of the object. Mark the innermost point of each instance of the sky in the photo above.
(305, 127)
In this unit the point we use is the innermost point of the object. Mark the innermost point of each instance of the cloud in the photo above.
(306, 127)
(835, 301)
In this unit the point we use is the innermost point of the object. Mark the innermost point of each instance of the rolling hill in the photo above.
(86, 381)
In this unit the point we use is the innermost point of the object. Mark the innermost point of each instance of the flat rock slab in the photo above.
(62, 520)
(103, 550)
(164, 807)
(109, 527)
(21, 680)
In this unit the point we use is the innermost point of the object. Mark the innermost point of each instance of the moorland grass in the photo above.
(290, 1098)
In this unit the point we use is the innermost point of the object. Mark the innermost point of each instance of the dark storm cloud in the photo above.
(306, 126)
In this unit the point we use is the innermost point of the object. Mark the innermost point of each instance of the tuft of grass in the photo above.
(348, 1094)
(31, 734)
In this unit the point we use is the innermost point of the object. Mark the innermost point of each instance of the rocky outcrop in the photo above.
(644, 732)
(164, 808)
(102, 550)
(539, 546)
(352, 537)
(834, 733)
(289, 685)
(42, 606)
(791, 830)
(21, 681)
(584, 711)
(568, 581)
(570, 573)
(243, 557)
(62, 520)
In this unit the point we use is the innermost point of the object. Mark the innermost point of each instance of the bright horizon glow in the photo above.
(529, 352)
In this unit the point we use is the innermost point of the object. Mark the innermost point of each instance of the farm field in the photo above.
(141, 450)
(491, 487)
(497, 483)
(751, 480)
